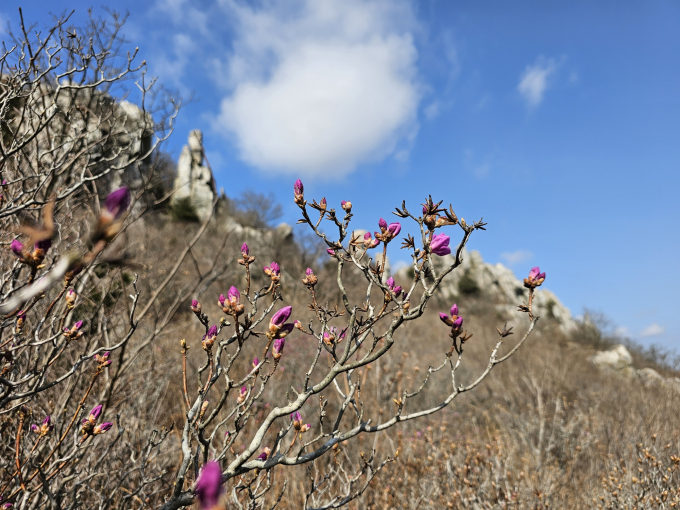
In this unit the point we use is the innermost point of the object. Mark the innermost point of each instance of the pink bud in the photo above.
(534, 273)
(244, 250)
(209, 485)
(100, 429)
(382, 224)
(281, 316)
(309, 271)
(221, 300)
(330, 251)
(458, 323)
(394, 229)
(440, 245)
(444, 317)
(17, 248)
(454, 310)
(43, 244)
(117, 202)
(234, 295)
(96, 411)
(278, 347)
(78, 325)
(256, 362)
(298, 188)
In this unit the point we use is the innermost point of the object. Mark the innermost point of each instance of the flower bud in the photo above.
(242, 395)
(117, 202)
(100, 429)
(196, 307)
(346, 205)
(279, 318)
(535, 278)
(330, 252)
(299, 192)
(209, 485)
(17, 248)
(265, 453)
(278, 347)
(440, 245)
(70, 298)
(382, 224)
(245, 251)
(394, 229)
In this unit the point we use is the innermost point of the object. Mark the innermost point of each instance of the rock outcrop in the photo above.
(619, 360)
(498, 283)
(194, 184)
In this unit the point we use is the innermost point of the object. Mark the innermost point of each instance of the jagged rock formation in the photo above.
(619, 360)
(498, 283)
(194, 184)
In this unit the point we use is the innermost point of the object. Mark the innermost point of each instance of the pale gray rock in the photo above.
(194, 181)
(617, 358)
(649, 376)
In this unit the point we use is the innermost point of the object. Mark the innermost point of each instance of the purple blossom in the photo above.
(17, 248)
(47, 421)
(234, 295)
(221, 300)
(285, 329)
(243, 392)
(278, 347)
(78, 325)
(298, 188)
(195, 306)
(256, 362)
(212, 332)
(444, 317)
(96, 411)
(394, 229)
(281, 316)
(117, 202)
(264, 454)
(323, 203)
(100, 429)
(382, 224)
(330, 251)
(296, 416)
(245, 250)
(309, 271)
(440, 245)
(535, 274)
(391, 284)
(454, 310)
(458, 323)
(35, 428)
(209, 485)
(272, 269)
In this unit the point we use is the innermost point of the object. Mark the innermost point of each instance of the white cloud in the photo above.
(622, 332)
(652, 330)
(512, 258)
(318, 86)
(171, 65)
(535, 80)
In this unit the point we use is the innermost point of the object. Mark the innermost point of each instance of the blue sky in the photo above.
(558, 122)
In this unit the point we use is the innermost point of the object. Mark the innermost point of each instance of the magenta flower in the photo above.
(394, 288)
(234, 295)
(369, 242)
(221, 300)
(330, 251)
(265, 454)
(272, 269)
(243, 393)
(440, 245)
(100, 429)
(212, 332)
(117, 202)
(96, 411)
(103, 360)
(278, 347)
(78, 325)
(296, 416)
(394, 229)
(195, 306)
(209, 485)
(535, 278)
(17, 248)
(309, 271)
(245, 251)
(256, 362)
(382, 224)
(298, 188)
(346, 205)
(455, 321)
(280, 317)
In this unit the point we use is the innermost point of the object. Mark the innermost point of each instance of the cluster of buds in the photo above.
(90, 426)
(332, 336)
(394, 288)
(346, 206)
(278, 328)
(440, 245)
(33, 258)
(209, 338)
(231, 305)
(242, 395)
(70, 299)
(209, 486)
(103, 360)
(74, 332)
(273, 271)
(265, 453)
(245, 254)
(387, 232)
(310, 278)
(112, 216)
(43, 429)
(369, 242)
(300, 427)
(535, 278)
(454, 320)
(299, 192)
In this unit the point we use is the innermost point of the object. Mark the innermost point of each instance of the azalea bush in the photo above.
(96, 411)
